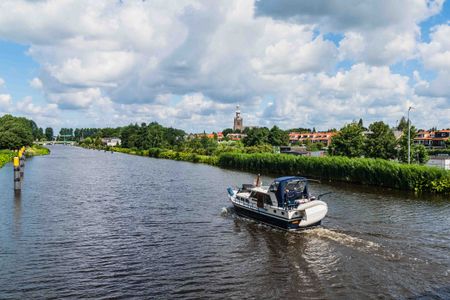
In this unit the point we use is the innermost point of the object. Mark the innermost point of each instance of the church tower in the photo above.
(238, 122)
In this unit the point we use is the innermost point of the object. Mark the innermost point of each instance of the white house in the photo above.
(111, 141)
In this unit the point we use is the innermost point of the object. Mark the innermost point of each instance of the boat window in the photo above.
(267, 199)
(253, 195)
(260, 199)
(274, 187)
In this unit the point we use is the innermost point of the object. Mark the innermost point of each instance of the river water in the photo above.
(91, 224)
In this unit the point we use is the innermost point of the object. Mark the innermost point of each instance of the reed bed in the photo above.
(377, 172)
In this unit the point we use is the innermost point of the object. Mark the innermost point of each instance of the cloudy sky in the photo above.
(187, 63)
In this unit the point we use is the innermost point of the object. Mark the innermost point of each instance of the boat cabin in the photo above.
(283, 192)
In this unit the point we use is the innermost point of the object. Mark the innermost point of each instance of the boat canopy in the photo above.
(289, 188)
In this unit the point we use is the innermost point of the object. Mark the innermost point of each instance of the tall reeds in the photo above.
(377, 172)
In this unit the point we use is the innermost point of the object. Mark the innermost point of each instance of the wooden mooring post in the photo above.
(17, 179)
(22, 161)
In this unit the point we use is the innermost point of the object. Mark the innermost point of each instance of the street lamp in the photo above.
(409, 136)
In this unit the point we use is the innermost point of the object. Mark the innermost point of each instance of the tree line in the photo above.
(377, 141)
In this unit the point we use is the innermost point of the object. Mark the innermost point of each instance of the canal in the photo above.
(91, 224)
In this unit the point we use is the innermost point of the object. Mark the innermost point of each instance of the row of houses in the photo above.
(313, 137)
(427, 138)
(432, 139)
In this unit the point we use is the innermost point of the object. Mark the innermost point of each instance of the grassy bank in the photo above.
(36, 150)
(6, 156)
(366, 171)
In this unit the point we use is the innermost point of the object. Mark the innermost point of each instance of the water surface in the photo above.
(91, 224)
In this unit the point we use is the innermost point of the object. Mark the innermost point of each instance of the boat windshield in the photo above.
(274, 186)
(297, 185)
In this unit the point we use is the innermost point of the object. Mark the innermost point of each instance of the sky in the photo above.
(188, 63)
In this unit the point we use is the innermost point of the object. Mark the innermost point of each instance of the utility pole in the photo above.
(409, 136)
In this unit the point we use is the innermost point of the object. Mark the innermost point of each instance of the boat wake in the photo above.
(226, 211)
(344, 239)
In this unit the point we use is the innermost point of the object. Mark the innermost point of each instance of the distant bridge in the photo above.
(71, 143)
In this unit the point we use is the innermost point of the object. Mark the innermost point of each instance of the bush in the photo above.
(367, 171)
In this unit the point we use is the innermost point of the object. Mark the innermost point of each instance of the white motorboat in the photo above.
(286, 203)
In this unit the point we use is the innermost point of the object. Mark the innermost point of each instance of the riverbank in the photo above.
(37, 150)
(362, 171)
(6, 156)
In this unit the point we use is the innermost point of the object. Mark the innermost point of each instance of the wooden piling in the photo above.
(22, 162)
(17, 180)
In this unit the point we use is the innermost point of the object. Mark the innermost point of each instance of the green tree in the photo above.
(16, 132)
(380, 142)
(403, 124)
(227, 131)
(348, 142)
(419, 153)
(278, 137)
(256, 136)
(49, 133)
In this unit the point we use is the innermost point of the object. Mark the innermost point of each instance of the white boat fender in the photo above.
(230, 191)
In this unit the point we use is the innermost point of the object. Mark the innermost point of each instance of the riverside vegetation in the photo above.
(370, 159)
(16, 132)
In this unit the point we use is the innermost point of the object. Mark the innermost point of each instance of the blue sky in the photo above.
(188, 63)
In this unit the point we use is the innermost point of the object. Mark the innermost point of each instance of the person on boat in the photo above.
(258, 181)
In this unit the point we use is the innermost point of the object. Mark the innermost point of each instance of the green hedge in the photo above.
(170, 154)
(367, 171)
(438, 151)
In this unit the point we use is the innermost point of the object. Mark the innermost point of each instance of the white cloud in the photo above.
(77, 98)
(374, 32)
(36, 83)
(5, 102)
(373, 93)
(187, 63)
(2, 82)
(436, 53)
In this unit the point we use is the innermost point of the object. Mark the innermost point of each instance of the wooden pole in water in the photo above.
(22, 162)
(17, 180)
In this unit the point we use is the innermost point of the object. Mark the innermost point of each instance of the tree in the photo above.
(49, 133)
(380, 142)
(403, 124)
(41, 133)
(348, 142)
(16, 132)
(421, 154)
(256, 136)
(360, 123)
(418, 152)
(226, 131)
(278, 137)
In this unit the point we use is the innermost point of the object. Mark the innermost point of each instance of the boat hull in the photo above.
(276, 222)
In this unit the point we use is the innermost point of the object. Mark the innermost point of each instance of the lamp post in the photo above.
(409, 136)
